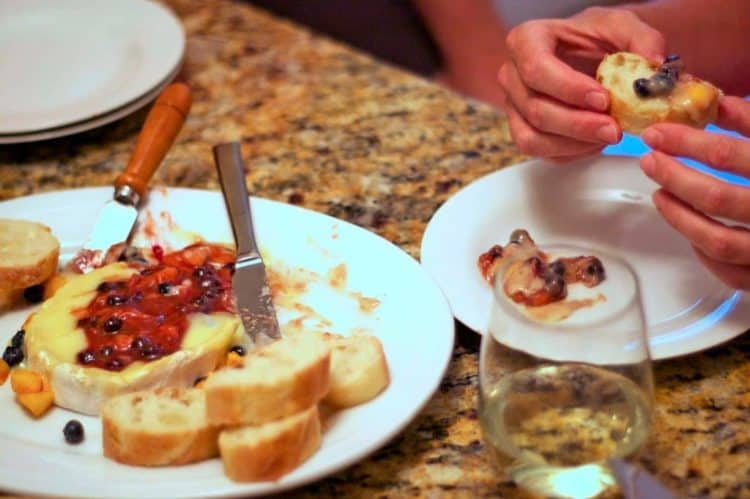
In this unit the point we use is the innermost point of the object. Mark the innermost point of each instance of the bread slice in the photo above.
(28, 253)
(359, 371)
(279, 380)
(268, 451)
(691, 102)
(166, 426)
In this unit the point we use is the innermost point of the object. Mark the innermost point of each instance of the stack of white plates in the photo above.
(67, 66)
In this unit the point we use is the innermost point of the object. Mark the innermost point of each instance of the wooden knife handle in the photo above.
(162, 125)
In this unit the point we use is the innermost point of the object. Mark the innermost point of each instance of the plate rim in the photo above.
(232, 489)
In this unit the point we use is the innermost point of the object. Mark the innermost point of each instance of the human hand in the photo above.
(691, 201)
(555, 109)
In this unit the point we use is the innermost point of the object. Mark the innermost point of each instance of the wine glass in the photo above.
(564, 387)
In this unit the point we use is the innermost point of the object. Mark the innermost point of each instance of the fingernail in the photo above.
(596, 101)
(652, 137)
(648, 164)
(608, 134)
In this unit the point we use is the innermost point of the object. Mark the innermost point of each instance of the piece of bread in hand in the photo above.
(643, 92)
(276, 381)
(359, 371)
(166, 426)
(28, 254)
(268, 451)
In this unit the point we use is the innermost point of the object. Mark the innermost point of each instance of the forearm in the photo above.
(467, 32)
(710, 35)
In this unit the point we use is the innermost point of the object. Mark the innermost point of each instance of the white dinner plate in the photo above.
(67, 61)
(64, 131)
(413, 321)
(603, 203)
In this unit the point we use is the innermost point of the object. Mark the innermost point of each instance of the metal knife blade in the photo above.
(252, 292)
(637, 483)
(117, 218)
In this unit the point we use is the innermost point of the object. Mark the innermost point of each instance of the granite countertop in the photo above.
(332, 130)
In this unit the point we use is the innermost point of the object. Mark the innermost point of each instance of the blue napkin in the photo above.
(631, 145)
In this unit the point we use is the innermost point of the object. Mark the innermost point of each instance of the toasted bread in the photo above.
(268, 451)
(28, 254)
(281, 379)
(157, 428)
(691, 101)
(359, 371)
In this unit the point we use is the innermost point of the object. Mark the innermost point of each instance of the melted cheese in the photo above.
(53, 341)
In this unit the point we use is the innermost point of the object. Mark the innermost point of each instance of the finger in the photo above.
(734, 276)
(532, 48)
(716, 240)
(707, 194)
(555, 117)
(734, 114)
(624, 30)
(535, 143)
(720, 151)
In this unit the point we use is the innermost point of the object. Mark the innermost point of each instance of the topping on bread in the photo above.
(268, 451)
(276, 381)
(156, 428)
(59, 344)
(643, 92)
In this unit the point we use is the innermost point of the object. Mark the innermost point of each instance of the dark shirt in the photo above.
(389, 29)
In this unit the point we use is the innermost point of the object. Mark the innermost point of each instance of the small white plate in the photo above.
(413, 321)
(68, 61)
(604, 203)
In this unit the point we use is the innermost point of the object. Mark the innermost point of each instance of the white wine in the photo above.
(554, 426)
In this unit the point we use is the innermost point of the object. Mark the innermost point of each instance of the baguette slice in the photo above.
(268, 451)
(166, 426)
(279, 380)
(359, 371)
(28, 253)
(692, 101)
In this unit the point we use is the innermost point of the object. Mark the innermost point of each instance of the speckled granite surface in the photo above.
(340, 133)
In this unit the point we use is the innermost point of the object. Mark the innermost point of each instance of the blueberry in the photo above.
(519, 236)
(17, 340)
(165, 288)
(672, 58)
(114, 364)
(557, 267)
(595, 269)
(34, 294)
(115, 300)
(139, 343)
(641, 87)
(554, 284)
(13, 356)
(199, 272)
(239, 350)
(106, 350)
(73, 432)
(663, 83)
(112, 325)
(86, 357)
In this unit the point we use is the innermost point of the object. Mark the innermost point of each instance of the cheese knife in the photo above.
(117, 218)
(250, 284)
